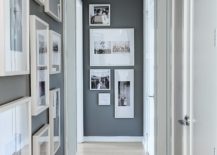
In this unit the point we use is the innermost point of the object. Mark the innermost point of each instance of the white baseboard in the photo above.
(143, 143)
(112, 139)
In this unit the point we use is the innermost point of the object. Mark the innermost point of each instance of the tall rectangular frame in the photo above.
(54, 112)
(36, 66)
(16, 68)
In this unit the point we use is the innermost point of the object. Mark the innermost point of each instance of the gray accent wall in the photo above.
(14, 87)
(99, 120)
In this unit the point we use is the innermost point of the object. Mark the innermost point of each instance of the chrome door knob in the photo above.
(185, 121)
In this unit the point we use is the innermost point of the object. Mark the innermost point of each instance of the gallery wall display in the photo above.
(124, 93)
(55, 120)
(104, 99)
(41, 141)
(40, 2)
(54, 9)
(14, 38)
(39, 64)
(55, 52)
(99, 14)
(111, 47)
(15, 127)
(100, 79)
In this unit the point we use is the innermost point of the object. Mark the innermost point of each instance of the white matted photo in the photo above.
(111, 47)
(104, 99)
(14, 38)
(41, 141)
(124, 93)
(15, 127)
(54, 9)
(55, 120)
(55, 52)
(99, 14)
(100, 79)
(39, 64)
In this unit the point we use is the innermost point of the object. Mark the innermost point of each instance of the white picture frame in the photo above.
(55, 120)
(100, 79)
(14, 38)
(41, 141)
(124, 93)
(39, 64)
(55, 52)
(99, 15)
(15, 127)
(104, 99)
(112, 47)
(54, 9)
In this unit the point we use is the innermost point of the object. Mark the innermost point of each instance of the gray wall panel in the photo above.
(99, 120)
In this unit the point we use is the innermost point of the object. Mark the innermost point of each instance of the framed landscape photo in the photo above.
(55, 52)
(39, 64)
(104, 99)
(55, 120)
(124, 93)
(99, 14)
(15, 127)
(112, 47)
(41, 141)
(14, 37)
(100, 79)
(54, 9)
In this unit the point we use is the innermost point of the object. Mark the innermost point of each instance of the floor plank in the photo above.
(110, 149)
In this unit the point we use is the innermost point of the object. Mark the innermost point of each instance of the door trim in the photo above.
(70, 107)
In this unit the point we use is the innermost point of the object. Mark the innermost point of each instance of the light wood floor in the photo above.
(110, 149)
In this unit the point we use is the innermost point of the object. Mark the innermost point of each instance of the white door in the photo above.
(195, 132)
(204, 78)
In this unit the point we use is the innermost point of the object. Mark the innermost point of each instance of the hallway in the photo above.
(110, 149)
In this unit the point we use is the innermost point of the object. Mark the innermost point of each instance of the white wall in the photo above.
(79, 68)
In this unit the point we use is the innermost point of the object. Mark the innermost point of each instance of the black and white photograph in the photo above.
(41, 47)
(112, 47)
(55, 52)
(99, 14)
(100, 79)
(102, 47)
(14, 30)
(124, 93)
(16, 25)
(41, 87)
(120, 47)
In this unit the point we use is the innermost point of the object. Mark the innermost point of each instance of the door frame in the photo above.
(163, 72)
(187, 75)
(70, 94)
(163, 77)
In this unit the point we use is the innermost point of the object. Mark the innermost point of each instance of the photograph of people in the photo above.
(100, 79)
(100, 15)
(124, 93)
